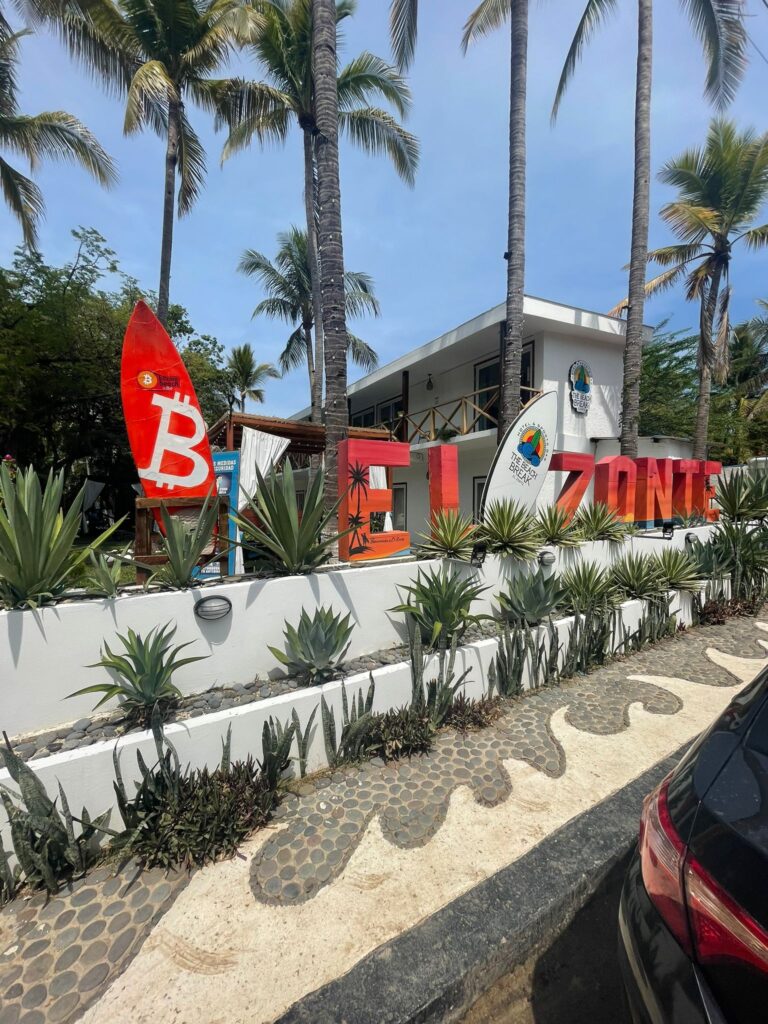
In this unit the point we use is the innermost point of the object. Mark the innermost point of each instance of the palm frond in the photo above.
(403, 30)
(61, 136)
(756, 238)
(294, 354)
(377, 131)
(594, 14)
(485, 18)
(720, 28)
(150, 85)
(368, 75)
(24, 199)
(191, 166)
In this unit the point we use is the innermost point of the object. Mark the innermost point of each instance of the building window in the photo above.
(478, 485)
(364, 418)
(387, 413)
(400, 506)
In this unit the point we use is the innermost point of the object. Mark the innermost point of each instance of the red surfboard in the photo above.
(166, 429)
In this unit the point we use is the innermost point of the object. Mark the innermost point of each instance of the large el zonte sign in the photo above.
(644, 491)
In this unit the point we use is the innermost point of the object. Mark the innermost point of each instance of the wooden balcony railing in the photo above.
(466, 415)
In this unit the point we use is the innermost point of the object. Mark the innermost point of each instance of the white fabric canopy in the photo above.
(261, 450)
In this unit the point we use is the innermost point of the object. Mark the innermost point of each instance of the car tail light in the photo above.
(721, 930)
(662, 855)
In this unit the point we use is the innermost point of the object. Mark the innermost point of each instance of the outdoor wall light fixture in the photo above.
(213, 607)
(479, 552)
(668, 529)
(430, 385)
(690, 538)
(546, 557)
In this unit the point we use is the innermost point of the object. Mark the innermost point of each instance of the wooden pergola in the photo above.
(305, 438)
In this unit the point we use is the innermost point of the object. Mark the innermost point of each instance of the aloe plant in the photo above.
(43, 835)
(185, 545)
(598, 522)
(281, 538)
(356, 736)
(439, 603)
(38, 557)
(678, 570)
(531, 599)
(317, 646)
(587, 587)
(638, 577)
(743, 494)
(451, 535)
(511, 530)
(144, 672)
(435, 696)
(556, 527)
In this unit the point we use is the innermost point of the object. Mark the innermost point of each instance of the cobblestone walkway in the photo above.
(57, 956)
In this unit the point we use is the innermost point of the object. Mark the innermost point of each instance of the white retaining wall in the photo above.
(87, 774)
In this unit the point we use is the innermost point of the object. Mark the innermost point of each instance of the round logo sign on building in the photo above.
(580, 376)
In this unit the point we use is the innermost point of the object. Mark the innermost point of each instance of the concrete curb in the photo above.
(438, 969)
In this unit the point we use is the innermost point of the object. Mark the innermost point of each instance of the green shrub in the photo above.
(38, 559)
(522, 648)
(587, 587)
(452, 535)
(598, 522)
(281, 538)
(184, 545)
(678, 571)
(315, 649)
(439, 603)
(744, 548)
(43, 836)
(638, 577)
(531, 599)
(144, 670)
(511, 530)
(556, 527)
(436, 696)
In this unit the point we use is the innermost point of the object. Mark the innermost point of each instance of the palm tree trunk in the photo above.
(169, 200)
(633, 346)
(706, 362)
(316, 397)
(513, 336)
(330, 248)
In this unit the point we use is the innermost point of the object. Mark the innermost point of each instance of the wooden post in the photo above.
(142, 547)
(230, 433)
(405, 388)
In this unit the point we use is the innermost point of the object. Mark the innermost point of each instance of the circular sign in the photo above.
(147, 380)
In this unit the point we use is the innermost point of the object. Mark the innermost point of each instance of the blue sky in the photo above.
(435, 251)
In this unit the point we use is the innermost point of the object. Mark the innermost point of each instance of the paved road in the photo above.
(575, 981)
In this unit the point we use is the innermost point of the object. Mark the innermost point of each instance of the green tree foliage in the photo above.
(61, 335)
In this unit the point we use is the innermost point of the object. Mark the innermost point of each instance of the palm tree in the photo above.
(718, 24)
(246, 376)
(484, 19)
(53, 134)
(266, 110)
(288, 284)
(157, 55)
(721, 188)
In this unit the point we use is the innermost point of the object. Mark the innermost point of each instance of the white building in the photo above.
(447, 390)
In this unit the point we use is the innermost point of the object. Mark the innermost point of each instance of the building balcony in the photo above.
(458, 417)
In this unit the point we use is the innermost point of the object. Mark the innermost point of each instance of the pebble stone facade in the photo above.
(57, 955)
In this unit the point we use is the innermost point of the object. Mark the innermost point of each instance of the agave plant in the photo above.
(317, 646)
(38, 557)
(743, 494)
(439, 603)
(598, 522)
(511, 530)
(639, 577)
(451, 535)
(745, 548)
(357, 734)
(104, 572)
(43, 835)
(678, 571)
(144, 671)
(531, 599)
(556, 527)
(282, 538)
(186, 544)
(587, 587)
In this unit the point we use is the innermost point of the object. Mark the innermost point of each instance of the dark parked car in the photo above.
(693, 922)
